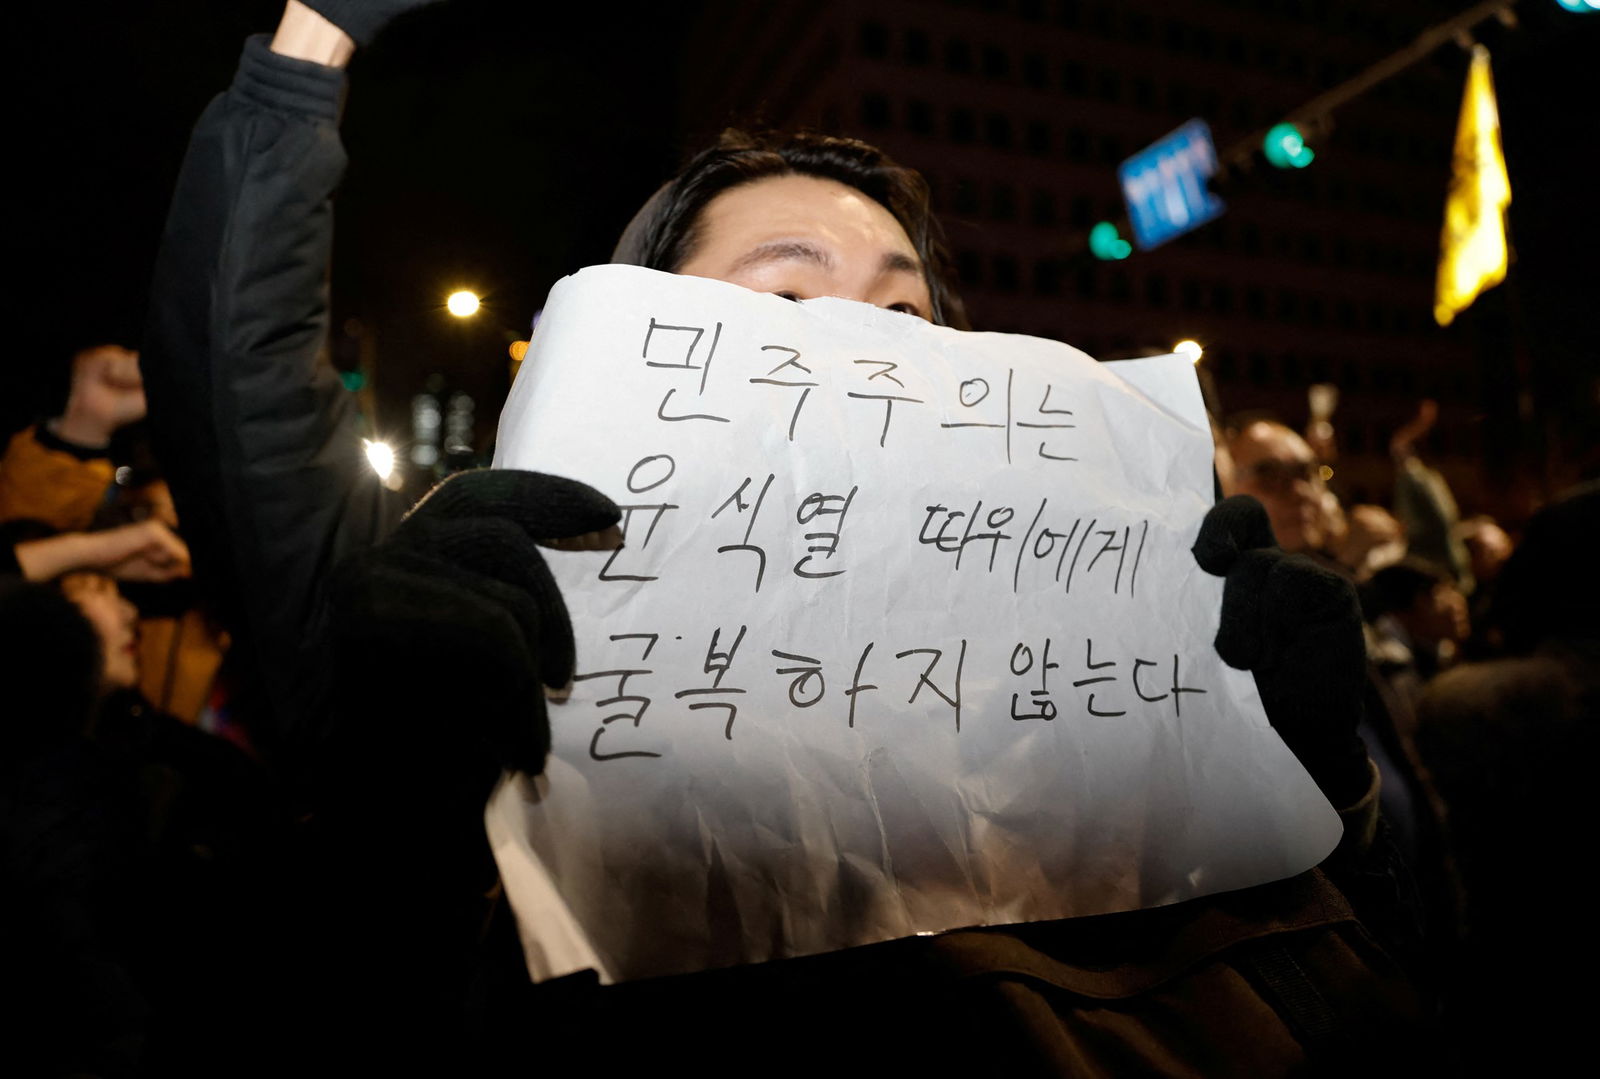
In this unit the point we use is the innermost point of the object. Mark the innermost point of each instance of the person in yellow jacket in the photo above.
(58, 474)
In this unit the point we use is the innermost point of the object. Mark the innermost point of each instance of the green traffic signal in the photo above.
(1285, 147)
(1106, 243)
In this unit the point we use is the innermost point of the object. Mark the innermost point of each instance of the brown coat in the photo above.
(178, 656)
(41, 483)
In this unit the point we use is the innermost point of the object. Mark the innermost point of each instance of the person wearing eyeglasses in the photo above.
(1276, 466)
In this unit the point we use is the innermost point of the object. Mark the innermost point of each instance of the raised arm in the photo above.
(261, 445)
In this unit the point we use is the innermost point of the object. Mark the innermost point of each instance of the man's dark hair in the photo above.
(1397, 587)
(663, 235)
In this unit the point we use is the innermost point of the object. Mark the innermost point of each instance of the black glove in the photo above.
(362, 19)
(454, 625)
(1297, 628)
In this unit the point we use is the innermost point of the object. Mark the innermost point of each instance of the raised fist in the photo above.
(107, 393)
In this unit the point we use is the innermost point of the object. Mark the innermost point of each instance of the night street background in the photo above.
(500, 145)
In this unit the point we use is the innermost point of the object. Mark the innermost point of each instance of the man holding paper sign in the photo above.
(906, 635)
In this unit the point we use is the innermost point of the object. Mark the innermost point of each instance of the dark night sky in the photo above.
(492, 144)
(496, 144)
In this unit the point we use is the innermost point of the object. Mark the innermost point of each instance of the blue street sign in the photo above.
(1164, 185)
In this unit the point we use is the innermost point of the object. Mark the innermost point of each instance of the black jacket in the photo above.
(260, 443)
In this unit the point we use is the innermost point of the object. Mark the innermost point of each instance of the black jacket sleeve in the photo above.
(260, 444)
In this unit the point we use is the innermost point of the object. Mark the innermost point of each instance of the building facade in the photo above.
(1019, 111)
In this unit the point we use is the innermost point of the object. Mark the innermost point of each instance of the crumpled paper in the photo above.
(905, 636)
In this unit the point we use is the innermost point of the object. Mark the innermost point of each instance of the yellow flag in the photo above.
(1472, 254)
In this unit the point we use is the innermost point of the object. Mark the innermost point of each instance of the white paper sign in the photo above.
(906, 636)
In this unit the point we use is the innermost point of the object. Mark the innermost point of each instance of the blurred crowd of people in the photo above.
(1483, 684)
(137, 824)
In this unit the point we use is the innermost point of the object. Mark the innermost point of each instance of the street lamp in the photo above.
(380, 455)
(1190, 349)
(462, 303)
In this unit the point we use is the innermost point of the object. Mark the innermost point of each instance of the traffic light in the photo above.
(1106, 243)
(1285, 147)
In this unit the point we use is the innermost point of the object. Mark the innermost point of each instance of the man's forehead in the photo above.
(783, 213)
(1264, 441)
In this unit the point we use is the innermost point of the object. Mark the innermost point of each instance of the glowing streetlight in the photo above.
(462, 303)
(1190, 349)
(380, 455)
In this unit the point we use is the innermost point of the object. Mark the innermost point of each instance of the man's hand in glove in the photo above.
(1297, 628)
(446, 634)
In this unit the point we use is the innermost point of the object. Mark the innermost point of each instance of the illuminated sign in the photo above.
(1164, 185)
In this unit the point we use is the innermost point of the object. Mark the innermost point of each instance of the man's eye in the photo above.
(906, 309)
(792, 297)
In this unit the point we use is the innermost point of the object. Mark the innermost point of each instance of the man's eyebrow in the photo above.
(782, 250)
(899, 262)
